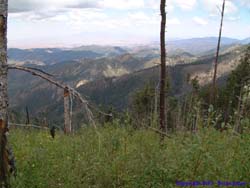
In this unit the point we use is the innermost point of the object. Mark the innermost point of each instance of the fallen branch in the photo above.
(29, 126)
(36, 69)
(34, 126)
(100, 112)
(159, 132)
(50, 79)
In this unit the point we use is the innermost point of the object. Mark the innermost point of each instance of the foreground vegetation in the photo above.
(123, 157)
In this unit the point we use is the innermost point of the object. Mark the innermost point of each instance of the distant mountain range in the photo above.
(109, 75)
(198, 46)
(246, 41)
(55, 55)
(194, 46)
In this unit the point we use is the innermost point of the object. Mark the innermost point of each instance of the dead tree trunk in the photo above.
(72, 91)
(67, 117)
(27, 116)
(3, 93)
(163, 68)
(213, 90)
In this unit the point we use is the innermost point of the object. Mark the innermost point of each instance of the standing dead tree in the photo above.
(67, 116)
(27, 116)
(3, 94)
(68, 91)
(163, 68)
(213, 89)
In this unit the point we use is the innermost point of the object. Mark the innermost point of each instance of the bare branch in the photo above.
(29, 125)
(36, 69)
(100, 112)
(219, 9)
(51, 80)
(159, 132)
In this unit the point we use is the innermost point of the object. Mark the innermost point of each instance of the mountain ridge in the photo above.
(102, 87)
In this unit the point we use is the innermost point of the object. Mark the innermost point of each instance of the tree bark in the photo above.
(213, 91)
(163, 68)
(27, 116)
(67, 117)
(3, 93)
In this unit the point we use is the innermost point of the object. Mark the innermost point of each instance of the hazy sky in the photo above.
(49, 23)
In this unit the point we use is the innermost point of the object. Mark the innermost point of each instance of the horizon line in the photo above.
(118, 44)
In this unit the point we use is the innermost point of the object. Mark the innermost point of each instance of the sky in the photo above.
(68, 23)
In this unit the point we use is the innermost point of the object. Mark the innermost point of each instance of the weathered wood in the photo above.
(14, 125)
(67, 117)
(164, 134)
(3, 93)
(213, 90)
(50, 79)
(4, 181)
(27, 116)
(163, 68)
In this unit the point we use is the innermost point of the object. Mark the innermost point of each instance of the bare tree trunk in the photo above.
(72, 91)
(213, 90)
(27, 116)
(240, 110)
(163, 68)
(237, 116)
(3, 93)
(67, 124)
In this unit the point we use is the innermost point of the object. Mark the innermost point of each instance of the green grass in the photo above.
(118, 157)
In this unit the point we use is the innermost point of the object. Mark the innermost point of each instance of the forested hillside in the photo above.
(111, 81)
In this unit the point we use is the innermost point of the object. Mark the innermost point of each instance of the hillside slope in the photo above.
(123, 158)
(46, 100)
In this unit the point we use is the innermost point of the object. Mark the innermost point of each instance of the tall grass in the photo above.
(126, 158)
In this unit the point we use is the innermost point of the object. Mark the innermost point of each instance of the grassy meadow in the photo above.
(119, 157)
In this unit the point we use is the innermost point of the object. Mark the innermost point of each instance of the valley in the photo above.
(108, 76)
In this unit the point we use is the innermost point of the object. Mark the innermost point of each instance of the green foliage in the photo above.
(229, 96)
(143, 106)
(117, 158)
(145, 103)
(232, 103)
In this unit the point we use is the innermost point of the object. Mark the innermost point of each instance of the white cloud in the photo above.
(173, 21)
(232, 18)
(214, 7)
(183, 4)
(200, 21)
(36, 5)
(120, 19)
(186, 4)
(122, 4)
(154, 4)
(231, 8)
(87, 20)
(140, 16)
(245, 3)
